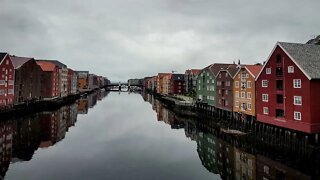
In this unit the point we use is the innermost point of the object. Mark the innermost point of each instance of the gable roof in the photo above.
(46, 66)
(56, 62)
(253, 69)
(232, 70)
(216, 67)
(19, 61)
(2, 56)
(306, 56)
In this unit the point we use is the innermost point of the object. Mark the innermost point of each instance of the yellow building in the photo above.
(244, 90)
(161, 89)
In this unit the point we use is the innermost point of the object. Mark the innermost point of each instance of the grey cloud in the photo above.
(136, 38)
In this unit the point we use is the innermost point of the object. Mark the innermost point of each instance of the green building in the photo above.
(206, 86)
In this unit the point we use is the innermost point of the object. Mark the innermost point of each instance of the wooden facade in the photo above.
(244, 92)
(288, 88)
(6, 81)
(27, 79)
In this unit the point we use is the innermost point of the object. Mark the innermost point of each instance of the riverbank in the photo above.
(39, 106)
(233, 124)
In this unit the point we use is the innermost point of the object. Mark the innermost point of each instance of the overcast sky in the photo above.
(124, 39)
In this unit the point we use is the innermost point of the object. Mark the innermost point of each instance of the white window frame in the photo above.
(268, 70)
(290, 69)
(297, 115)
(243, 95)
(265, 98)
(249, 106)
(249, 83)
(237, 104)
(226, 92)
(237, 94)
(298, 81)
(237, 84)
(249, 97)
(264, 83)
(265, 110)
(296, 100)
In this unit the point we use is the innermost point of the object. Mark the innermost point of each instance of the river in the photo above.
(126, 136)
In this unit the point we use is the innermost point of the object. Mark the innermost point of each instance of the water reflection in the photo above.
(21, 137)
(232, 160)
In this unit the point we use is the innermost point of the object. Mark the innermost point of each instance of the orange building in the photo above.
(244, 90)
(160, 83)
(166, 83)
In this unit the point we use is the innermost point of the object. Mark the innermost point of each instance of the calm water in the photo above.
(124, 136)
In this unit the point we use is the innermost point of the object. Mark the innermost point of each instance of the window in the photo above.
(268, 70)
(266, 169)
(247, 75)
(279, 113)
(10, 91)
(237, 94)
(199, 81)
(279, 99)
(297, 100)
(227, 83)
(199, 88)
(297, 83)
(2, 82)
(297, 115)
(237, 103)
(212, 81)
(243, 85)
(208, 81)
(243, 106)
(249, 95)
(278, 58)
(237, 84)
(243, 94)
(219, 91)
(265, 97)
(290, 69)
(249, 84)
(226, 92)
(226, 104)
(226, 74)
(219, 75)
(200, 97)
(249, 106)
(7, 62)
(264, 83)
(265, 110)
(218, 83)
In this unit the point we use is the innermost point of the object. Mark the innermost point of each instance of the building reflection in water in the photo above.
(21, 137)
(89, 101)
(220, 156)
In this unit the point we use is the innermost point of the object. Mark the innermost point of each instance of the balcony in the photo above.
(279, 85)
(279, 71)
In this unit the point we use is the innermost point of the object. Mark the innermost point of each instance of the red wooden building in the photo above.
(288, 88)
(177, 84)
(49, 80)
(224, 87)
(6, 81)
(27, 84)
